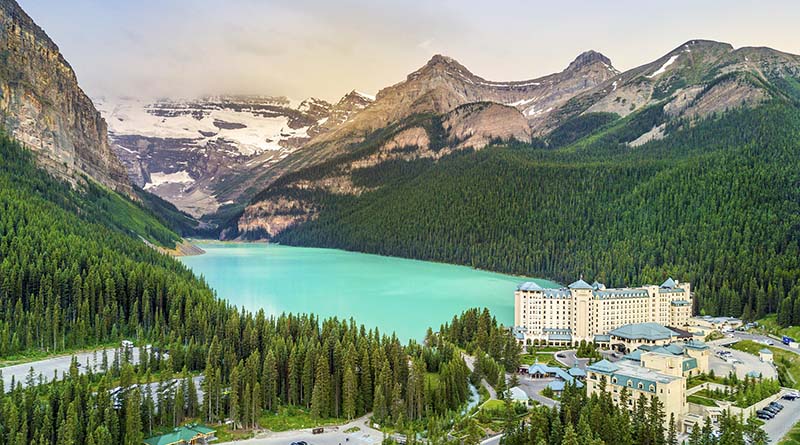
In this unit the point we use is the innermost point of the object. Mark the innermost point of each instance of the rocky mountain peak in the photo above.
(587, 58)
(440, 65)
(356, 97)
(700, 44)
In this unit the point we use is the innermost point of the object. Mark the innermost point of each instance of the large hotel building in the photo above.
(589, 312)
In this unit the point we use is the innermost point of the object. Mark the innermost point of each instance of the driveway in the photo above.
(533, 387)
(570, 359)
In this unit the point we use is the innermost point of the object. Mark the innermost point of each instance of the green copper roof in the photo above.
(669, 284)
(643, 331)
(603, 367)
(695, 344)
(580, 284)
(184, 434)
(635, 356)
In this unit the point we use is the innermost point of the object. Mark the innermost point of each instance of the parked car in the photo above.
(763, 412)
(771, 409)
(776, 405)
(789, 397)
(763, 416)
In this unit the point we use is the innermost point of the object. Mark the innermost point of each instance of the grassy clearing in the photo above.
(224, 434)
(293, 418)
(769, 325)
(788, 363)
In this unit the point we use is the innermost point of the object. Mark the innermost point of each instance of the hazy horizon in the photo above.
(184, 48)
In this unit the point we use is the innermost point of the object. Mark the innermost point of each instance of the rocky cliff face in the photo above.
(44, 108)
(443, 84)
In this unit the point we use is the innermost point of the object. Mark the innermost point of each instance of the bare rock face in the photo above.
(476, 125)
(695, 80)
(443, 84)
(272, 216)
(44, 108)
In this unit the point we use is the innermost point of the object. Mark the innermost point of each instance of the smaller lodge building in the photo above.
(193, 434)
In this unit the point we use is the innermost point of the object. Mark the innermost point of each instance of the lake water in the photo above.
(393, 294)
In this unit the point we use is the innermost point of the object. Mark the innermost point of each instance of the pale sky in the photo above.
(325, 48)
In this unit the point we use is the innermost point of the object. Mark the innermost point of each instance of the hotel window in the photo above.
(640, 385)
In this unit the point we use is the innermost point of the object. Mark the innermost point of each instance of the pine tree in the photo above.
(320, 397)
(133, 419)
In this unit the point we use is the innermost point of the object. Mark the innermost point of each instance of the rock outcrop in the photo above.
(44, 108)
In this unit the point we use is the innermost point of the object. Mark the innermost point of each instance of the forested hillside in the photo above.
(71, 276)
(73, 269)
(716, 202)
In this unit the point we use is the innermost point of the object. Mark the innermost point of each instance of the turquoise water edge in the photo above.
(393, 294)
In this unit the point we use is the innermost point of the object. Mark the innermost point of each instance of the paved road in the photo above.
(332, 436)
(533, 387)
(60, 365)
(494, 440)
(470, 361)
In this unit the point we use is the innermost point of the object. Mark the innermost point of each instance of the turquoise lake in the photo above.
(393, 294)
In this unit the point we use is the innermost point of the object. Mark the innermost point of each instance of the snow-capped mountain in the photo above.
(183, 150)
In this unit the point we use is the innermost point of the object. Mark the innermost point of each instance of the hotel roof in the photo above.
(603, 366)
(646, 331)
(580, 284)
(642, 373)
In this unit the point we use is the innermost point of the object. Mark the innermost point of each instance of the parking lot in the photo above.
(740, 362)
(778, 426)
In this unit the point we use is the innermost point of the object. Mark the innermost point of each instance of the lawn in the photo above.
(788, 363)
(792, 437)
(293, 418)
(493, 404)
(711, 395)
(546, 358)
(702, 378)
(700, 400)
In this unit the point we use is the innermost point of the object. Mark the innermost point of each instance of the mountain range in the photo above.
(664, 168)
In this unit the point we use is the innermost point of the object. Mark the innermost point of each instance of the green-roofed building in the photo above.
(193, 434)
(631, 336)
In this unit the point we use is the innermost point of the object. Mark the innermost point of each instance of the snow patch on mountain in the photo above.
(664, 66)
(160, 178)
(250, 131)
